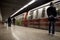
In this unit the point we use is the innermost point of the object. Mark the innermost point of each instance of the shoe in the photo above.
(52, 34)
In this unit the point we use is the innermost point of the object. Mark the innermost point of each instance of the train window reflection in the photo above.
(58, 9)
(40, 12)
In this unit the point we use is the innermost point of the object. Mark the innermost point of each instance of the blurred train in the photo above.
(37, 17)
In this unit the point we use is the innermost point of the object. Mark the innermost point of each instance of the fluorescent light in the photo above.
(57, 9)
(23, 7)
(44, 5)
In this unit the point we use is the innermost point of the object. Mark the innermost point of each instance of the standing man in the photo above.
(9, 22)
(51, 12)
(13, 21)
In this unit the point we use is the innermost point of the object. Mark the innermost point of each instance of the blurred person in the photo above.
(51, 12)
(13, 21)
(9, 22)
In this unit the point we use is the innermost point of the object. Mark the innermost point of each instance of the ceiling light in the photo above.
(23, 7)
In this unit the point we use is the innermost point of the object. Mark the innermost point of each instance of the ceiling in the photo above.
(8, 7)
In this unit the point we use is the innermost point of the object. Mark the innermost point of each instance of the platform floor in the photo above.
(25, 33)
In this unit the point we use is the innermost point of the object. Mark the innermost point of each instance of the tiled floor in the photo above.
(24, 33)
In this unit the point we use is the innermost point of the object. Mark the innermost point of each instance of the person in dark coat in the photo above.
(13, 21)
(9, 22)
(51, 12)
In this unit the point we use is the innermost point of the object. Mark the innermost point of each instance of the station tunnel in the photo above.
(31, 20)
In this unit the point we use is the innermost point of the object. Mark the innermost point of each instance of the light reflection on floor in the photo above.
(24, 33)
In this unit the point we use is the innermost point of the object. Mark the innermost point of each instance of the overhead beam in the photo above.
(35, 4)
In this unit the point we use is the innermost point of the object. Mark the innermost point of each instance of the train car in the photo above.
(37, 17)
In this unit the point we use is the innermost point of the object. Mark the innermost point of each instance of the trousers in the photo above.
(52, 27)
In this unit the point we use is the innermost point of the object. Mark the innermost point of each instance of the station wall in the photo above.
(0, 15)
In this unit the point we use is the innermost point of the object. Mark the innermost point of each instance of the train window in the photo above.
(58, 9)
(46, 16)
(40, 12)
(30, 15)
(43, 13)
(35, 14)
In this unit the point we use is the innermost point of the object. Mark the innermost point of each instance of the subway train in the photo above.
(37, 17)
